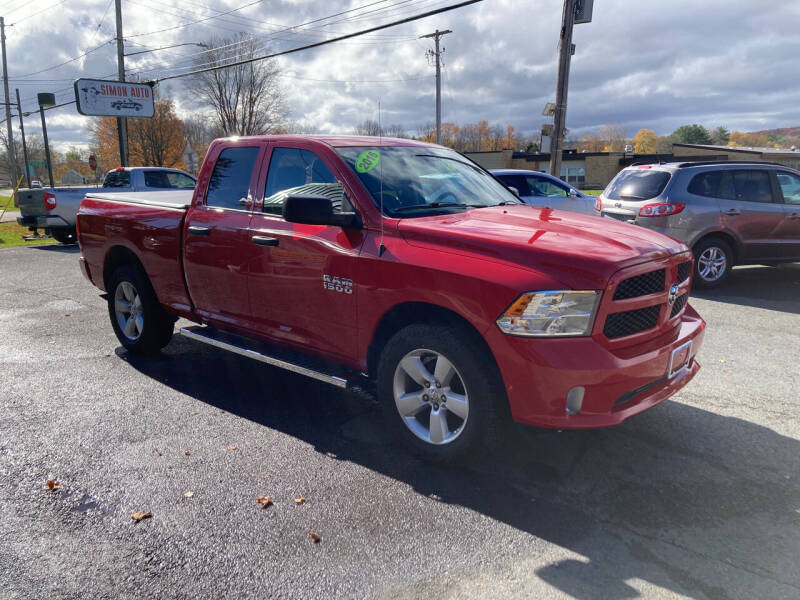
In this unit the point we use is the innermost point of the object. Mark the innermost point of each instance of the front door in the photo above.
(216, 238)
(302, 277)
(789, 185)
(750, 209)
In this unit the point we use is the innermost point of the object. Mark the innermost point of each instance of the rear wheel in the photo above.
(65, 235)
(713, 259)
(438, 390)
(139, 322)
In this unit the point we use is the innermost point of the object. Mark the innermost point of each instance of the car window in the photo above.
(180, 181)
(540, 186)
(230, 179)
(156, 179)
(296, 171)
(705, 184)
(517, 181)
(117, 179)
(637, 184)
(790, 187)
(748, 186)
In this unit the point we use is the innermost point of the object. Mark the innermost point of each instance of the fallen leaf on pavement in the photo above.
(188, 494)
(186, 453)
(314, 536)
(232, 447)
(264, 501)
(139, 515)
(728, 372)
(67, 315)
(158, 453)
(300, 500)
(53, 485)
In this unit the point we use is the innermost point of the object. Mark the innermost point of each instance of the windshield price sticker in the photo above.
(367, 161)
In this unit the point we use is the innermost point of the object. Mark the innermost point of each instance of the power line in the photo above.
(37, 12)
(66, 62)
(195, 22)
(326, 42)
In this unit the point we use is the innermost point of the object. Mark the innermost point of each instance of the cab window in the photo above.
(296, 171)
(790, 187)
(117, 179)
(230, 180)
(540, 186)
(748, 186)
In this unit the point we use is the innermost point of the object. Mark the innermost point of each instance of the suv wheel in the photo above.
(713, 259)
(438, 390)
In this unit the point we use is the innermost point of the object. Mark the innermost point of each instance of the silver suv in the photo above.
(729, 213)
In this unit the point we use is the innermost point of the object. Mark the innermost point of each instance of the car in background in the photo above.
(36, 184)
(540, 189)
(730, 213)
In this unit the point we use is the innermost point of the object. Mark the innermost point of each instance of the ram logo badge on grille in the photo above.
(673, 294)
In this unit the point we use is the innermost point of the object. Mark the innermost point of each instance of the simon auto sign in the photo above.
(100, 98)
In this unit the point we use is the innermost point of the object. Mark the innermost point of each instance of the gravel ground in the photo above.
(699, 497)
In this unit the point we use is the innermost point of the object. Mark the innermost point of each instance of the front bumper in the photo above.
(618, 383)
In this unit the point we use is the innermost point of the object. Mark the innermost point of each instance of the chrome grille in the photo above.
(632, 321)
(641, 285)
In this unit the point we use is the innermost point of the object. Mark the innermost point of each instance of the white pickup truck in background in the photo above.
(54, 209)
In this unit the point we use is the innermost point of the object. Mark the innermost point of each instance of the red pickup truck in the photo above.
(345, 258)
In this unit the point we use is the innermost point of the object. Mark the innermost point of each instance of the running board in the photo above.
(277, 357)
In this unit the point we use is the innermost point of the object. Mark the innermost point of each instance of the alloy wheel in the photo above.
(712, 263)
(128, 309)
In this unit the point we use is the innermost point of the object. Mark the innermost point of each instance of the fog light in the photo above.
(575, 400)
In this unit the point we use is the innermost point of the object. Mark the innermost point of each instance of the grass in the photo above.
(592, 192)
(11, 235)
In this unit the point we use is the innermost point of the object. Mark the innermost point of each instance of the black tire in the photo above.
(707, 251)
(148, 334)
(65, 235)
(476, 379)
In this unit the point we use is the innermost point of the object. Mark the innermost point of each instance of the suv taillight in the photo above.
(598, 205)
(661, 209)
(49, 201)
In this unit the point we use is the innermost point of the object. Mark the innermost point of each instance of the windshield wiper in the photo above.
(632, 196)
(431, 205)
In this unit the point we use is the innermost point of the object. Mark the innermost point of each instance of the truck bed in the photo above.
(146, 224)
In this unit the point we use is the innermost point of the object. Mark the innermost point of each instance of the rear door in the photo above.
(751, 209)
(789, 186)
(302, 276)
(216, 241)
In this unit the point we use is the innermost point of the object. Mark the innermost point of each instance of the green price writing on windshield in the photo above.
(367, 161)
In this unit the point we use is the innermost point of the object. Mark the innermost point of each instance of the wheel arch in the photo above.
(119, 256)
(724, 236)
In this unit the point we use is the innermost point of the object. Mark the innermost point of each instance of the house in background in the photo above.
(72, 177)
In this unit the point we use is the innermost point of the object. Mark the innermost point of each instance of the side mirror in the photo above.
(310, 209)
(573, 193)
(514, 191)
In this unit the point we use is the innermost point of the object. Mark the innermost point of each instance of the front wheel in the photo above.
(713, 259)
(439, 388)
(139, 322)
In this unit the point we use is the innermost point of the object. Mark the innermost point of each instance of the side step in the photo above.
(272, 355)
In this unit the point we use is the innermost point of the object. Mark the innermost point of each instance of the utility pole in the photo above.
(437, 54)
(24, 146)
(122, 123)
(560, 115)
(12, 159)
(46, 100)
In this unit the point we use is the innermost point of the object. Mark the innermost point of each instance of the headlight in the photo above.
(550, 314)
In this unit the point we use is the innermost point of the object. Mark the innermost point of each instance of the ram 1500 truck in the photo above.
(344, 258)
(54, 209)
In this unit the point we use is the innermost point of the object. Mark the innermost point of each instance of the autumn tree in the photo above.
(644, 142)
(246, 99)
(739, 138)
(691, 134)
(590, 142)
(154, 142)
(613, 136)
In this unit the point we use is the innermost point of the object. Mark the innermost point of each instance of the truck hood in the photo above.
(577, 250)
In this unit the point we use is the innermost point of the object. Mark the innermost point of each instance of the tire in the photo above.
(427, 423)
(713, 259)
(139, 322)
(65, 235)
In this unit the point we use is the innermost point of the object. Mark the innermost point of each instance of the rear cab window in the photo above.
(168, 180)
(117, 179)
(229, 184)
(637, 184)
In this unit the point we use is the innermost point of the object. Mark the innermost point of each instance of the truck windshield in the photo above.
(413, 181)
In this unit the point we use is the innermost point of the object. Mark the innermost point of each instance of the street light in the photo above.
(46, 100)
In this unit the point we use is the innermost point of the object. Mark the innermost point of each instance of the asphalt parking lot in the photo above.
(699, 497)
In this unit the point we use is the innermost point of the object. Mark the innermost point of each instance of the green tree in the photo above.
(691, 134)
(720, 136)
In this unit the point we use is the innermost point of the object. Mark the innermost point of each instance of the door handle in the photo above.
(196, 230)
(732, 212)
(264, 241)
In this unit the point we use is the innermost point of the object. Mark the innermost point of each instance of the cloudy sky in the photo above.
(640, 64)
